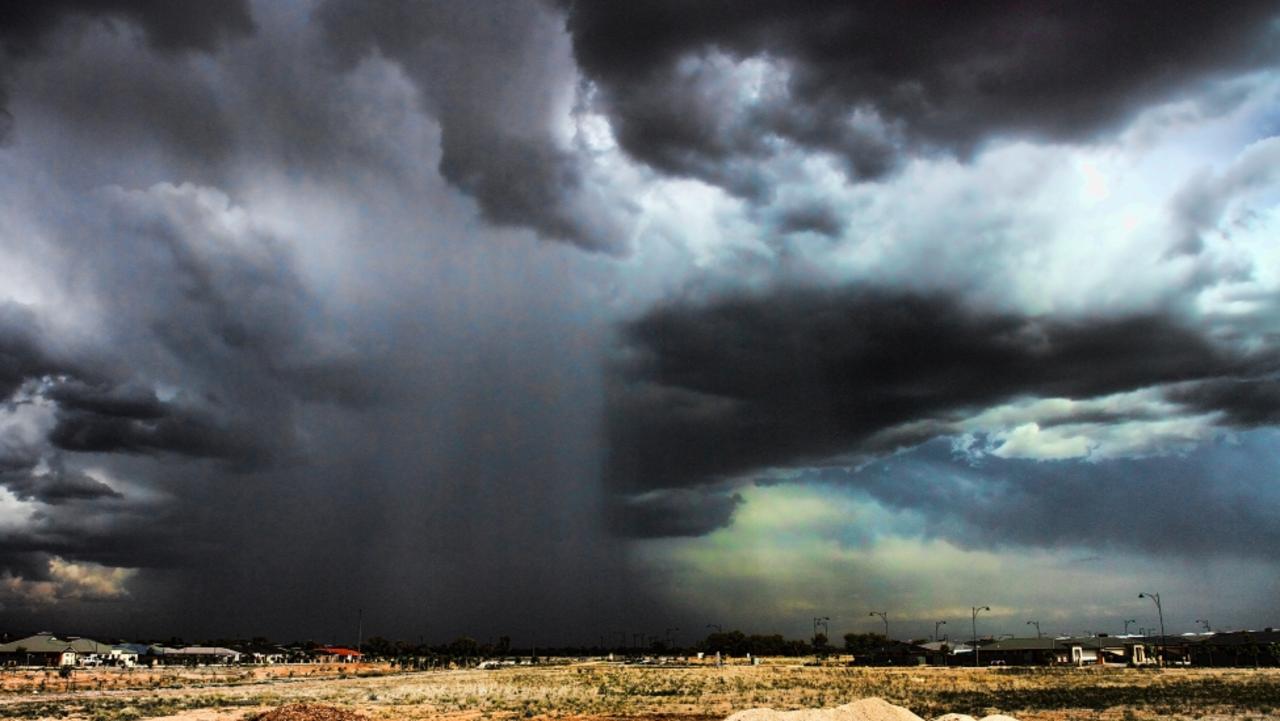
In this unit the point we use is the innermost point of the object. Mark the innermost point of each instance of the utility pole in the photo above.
(884, 616)
(1037, 625)
(1155, 598)
(974, 620)
(936, 624)
(1126, 625)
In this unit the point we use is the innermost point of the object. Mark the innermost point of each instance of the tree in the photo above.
(864, 643)
(379, 647)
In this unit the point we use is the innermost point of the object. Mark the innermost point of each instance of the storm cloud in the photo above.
(709, 390)
(465, 314)
(870, 83)
(1153, 505)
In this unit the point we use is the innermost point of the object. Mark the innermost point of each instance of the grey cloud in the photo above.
(184, 431)
(170, 27)
(811, 218)
(1245, 402)
(492, 77)
(57, 486)
(1199, 207)
(705, 391)
(674, 512)
(124, 400)
(498, 82)
(1213, 501)
(869, 83)
(22, 351)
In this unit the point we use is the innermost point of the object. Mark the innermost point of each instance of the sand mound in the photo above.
(867, 709)
(310, 712)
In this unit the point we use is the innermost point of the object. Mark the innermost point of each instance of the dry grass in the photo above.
(602, 692)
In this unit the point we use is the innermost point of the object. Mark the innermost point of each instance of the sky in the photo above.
(575, 320)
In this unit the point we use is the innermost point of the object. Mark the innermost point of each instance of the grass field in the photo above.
(609, 692)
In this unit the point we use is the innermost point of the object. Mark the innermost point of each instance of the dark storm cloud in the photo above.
(125, 400)
(22, 352)
(800, 375)
(169, 27)
(811, 218)
(1215, 500)
(868, 81)
(1245, 402)
(674, 512)
(182, 431)
(56, 487)
(491, 76)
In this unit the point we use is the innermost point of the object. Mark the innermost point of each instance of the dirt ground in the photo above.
(610, 692)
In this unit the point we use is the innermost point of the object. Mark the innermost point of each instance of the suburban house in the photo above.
(1237, 648)
(895, 653)
(337, 654)
(1022, 652)
(196, 655)
(46, 649)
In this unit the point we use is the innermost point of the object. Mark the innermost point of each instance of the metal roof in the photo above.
(200, 651)
(48, 643)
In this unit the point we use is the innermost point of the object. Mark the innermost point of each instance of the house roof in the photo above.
(1022, 644)
(1242, 638)
(49, 643)
(200, 651)
(338, 651)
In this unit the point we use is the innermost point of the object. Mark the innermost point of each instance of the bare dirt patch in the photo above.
(310, 712)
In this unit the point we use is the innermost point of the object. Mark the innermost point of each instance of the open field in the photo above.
(603, 692)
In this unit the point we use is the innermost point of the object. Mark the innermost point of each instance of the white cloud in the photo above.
(67, 581)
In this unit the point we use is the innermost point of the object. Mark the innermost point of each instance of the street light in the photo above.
(1126, 625)
(974, 620)
(936, 624)
(1037, 625)
(884, 616)
(1205, 623)
(1155, 598)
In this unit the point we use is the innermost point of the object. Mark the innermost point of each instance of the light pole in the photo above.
(1126, 625)
(884, 616)
(1037, 625)
(1155, 598)
(974, 620)
(1204, 622)
(936, 624)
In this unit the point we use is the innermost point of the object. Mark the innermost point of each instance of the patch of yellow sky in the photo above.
(794, 551)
